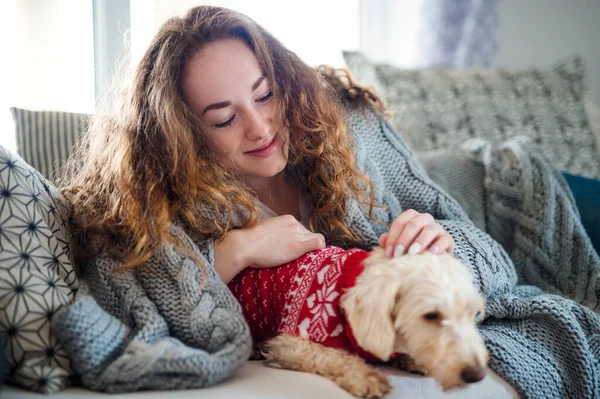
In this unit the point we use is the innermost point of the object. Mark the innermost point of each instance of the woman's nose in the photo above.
(257, 126)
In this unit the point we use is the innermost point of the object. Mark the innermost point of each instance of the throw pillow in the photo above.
(36, 276)
(46, 139)
(442, 108)
(587, 197)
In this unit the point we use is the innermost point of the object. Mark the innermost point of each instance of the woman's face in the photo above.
(226, 87)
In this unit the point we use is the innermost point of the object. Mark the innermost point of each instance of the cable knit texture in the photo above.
(543, 344)
(156, 329)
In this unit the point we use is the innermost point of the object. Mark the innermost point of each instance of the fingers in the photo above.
(383, 239)
(420, 241)
(404, 230)
(442, 244)
(414, 233)
(284, 222)
(310, 242)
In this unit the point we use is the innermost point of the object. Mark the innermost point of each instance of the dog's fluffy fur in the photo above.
(424, 306)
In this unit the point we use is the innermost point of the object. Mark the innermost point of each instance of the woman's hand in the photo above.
(271, 242)
(413, 232)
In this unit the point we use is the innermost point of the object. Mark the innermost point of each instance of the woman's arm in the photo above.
(400, 181)
(230, 258)
(271, 242)
(401, 184)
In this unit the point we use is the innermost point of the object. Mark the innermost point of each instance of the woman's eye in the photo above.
(226, 123)
(265, 98)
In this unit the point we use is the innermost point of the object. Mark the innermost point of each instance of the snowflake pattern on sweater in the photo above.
(302, 298)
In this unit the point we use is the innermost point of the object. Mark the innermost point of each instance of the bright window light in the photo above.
(50, 65)
(316, 30)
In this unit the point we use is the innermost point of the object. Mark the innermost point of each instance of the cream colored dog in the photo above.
(424, 306)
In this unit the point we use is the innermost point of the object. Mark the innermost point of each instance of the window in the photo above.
(51, 62)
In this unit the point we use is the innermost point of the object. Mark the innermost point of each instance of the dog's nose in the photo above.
(472, 374)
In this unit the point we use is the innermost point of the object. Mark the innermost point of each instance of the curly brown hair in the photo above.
(146, 164)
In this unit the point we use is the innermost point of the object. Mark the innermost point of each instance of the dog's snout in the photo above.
(472, 374)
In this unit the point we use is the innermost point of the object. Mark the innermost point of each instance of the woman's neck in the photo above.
(280, 193)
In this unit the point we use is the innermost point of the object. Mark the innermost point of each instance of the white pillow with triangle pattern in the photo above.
(36, 276)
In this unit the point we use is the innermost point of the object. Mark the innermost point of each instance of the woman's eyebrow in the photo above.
(258, 82)
(225, 104)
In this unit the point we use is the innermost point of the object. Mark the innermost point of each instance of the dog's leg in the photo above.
(257, 351)
(405, 363)
(348, 371)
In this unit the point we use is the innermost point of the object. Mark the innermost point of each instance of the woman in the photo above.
(228, 152)
(232, 120)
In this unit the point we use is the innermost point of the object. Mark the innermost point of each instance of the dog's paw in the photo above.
(256, 354)
(405, 363)
(368, 383)
(274, 364)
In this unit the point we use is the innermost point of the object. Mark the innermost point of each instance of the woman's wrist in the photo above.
(231, 256)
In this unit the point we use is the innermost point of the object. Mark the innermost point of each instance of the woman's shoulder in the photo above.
(364, 122)
(362, 112)
(350, 92)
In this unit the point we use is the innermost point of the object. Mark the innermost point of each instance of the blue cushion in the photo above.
(1, 365)
(587, 197)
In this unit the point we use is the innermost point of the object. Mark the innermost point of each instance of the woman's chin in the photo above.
(263, 174)
(271, 171)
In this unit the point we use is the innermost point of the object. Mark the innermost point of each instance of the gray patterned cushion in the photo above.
(36, 275)
(441, 108)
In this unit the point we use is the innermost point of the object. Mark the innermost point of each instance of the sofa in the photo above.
(38, 278)
(435, 110)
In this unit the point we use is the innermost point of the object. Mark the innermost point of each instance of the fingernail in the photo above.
(399, 250)
(414, 249)
(436, 250)
(388, 252)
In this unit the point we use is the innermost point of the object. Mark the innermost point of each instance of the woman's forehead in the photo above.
(221, 67)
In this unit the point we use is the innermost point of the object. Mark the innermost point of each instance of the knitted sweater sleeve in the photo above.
(167, 325)
(401, 183)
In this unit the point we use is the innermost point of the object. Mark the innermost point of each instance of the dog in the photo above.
(332, 309)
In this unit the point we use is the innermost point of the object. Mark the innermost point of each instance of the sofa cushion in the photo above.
(36, 275)
(256, 381)
(586, 192)
(442, 108)
(45, 139)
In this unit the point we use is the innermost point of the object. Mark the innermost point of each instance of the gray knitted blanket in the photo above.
(546, 346)
(154, 329)
(543, 344)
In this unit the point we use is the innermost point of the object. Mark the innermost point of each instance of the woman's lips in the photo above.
(265, 151)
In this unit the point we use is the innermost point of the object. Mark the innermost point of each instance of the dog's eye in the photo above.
(432, 316)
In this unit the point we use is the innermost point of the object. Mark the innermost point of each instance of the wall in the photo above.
(316, 30)
(539, 32)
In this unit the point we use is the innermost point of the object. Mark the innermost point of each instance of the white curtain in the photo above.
(458, 33)
(429, 33)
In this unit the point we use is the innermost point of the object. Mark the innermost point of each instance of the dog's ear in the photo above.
(369, 308)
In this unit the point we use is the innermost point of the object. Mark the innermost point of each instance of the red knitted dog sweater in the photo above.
(302, 298)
